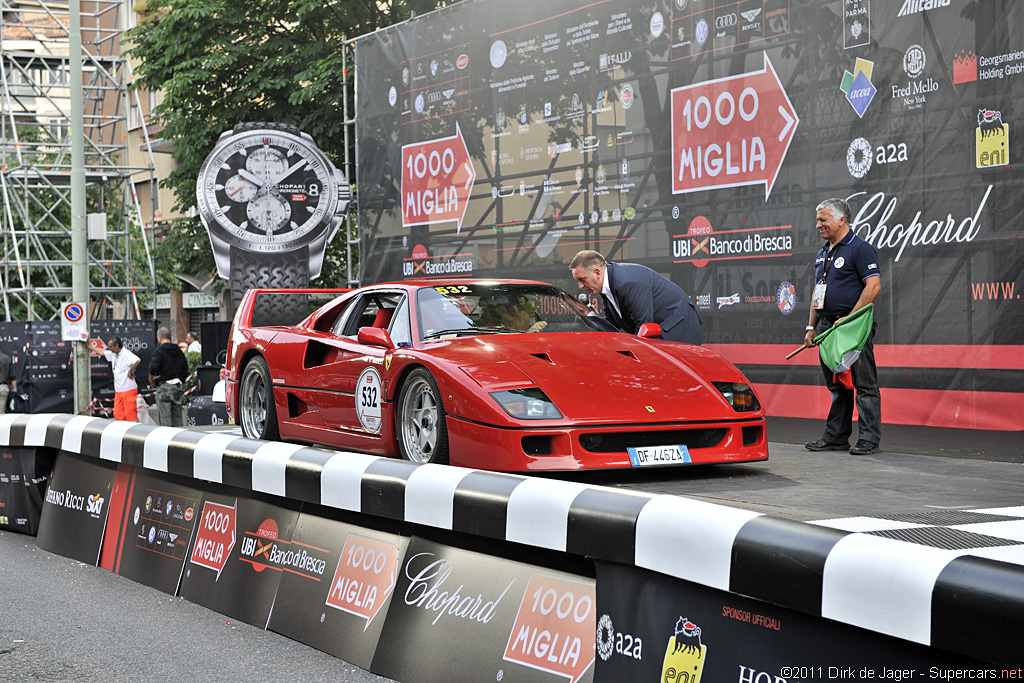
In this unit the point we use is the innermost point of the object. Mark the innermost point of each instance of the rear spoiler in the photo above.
(281, 307)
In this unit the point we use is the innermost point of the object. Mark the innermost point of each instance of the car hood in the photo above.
(595, 377)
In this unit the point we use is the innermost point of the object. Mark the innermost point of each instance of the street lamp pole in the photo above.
(79, 234)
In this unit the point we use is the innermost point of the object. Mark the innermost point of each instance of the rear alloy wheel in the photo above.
(422, 429)
(256, 402)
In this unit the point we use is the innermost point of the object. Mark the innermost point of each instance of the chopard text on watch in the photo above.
(267, 191)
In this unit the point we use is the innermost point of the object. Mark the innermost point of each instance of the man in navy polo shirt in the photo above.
(846, 278)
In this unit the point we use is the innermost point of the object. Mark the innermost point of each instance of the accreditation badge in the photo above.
(818, 298)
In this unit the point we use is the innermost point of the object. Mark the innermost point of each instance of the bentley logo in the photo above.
(751, 14)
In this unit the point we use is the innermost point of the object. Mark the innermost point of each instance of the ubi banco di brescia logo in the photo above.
(702, 244)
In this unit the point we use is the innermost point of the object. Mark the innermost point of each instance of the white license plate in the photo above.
(645, 456)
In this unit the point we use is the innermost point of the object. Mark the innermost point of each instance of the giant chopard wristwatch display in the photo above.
(271, 201)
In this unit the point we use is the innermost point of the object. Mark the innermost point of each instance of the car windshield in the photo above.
(457, 310)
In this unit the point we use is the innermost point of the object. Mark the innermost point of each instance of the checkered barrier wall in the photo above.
(944, 597)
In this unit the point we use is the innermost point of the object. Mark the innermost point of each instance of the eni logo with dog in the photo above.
(684, 655)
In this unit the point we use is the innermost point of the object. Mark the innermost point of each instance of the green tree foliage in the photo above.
(223, 62)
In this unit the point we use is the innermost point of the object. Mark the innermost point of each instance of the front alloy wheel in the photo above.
(256, 402)
(422, 430)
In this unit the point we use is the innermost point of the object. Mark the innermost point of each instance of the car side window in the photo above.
(339, 318)
(401, 329)
(371, 310)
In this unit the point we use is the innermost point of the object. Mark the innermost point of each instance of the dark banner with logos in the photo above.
(43, 364)
(340, 582)
(512, 621)
(149, 530)
(242, 545)
(652, 627)
(24, 473)
(697, 137)
(75, 507)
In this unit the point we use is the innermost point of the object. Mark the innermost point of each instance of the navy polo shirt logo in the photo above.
(839, 262)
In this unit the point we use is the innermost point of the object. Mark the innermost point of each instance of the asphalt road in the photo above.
(797, 484)
(61, 620)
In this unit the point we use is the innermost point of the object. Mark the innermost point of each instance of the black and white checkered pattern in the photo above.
(882, 575)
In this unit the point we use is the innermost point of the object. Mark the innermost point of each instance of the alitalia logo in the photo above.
(918, 6)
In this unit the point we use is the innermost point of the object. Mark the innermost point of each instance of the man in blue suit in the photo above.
(635, 294)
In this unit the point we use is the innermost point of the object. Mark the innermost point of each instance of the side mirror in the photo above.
(650, 331)
(375, 336)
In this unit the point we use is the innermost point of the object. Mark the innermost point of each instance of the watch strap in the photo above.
(282, 127)
(288, 270)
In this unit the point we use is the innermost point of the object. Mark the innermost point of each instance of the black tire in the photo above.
(421, 422)
(256, 410)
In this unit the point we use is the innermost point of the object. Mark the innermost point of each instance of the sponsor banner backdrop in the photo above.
(23, 478)
(151, 536)
(43, 361)
(652, 627)
(697, 137)
(75, 507)
(513, 622)
(238, 553)
(338, 586)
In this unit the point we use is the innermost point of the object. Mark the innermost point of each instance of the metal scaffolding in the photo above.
(35, 144)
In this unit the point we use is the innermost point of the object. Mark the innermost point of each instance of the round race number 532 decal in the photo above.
(368, 398)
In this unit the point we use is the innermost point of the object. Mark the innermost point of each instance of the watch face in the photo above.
(267, 190)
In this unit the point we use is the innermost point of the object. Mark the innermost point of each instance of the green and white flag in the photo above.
(840, 345)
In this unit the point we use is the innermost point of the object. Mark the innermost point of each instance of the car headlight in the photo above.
(527, 404)
(739, 395)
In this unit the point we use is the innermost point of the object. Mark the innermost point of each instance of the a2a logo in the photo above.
(610, 642)
(860, 157)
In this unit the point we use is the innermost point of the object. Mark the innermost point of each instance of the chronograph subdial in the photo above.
(266, 163)
(268, 213)
(238, 189)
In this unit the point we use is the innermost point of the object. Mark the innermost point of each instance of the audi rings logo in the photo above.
(434, 97)
(858, 158)
(726, 20)
(605, 637)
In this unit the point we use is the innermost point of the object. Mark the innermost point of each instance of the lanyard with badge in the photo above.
(818, 298)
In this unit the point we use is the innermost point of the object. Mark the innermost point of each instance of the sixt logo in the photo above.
(684, 654)
(992, 139)
(94, 505)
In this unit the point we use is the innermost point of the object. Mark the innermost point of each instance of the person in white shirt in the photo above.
(193, 344)
(126, 389)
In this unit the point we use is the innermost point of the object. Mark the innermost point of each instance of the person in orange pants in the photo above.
(126, 390)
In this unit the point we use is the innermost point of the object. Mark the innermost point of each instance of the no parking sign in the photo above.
(74, 326)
